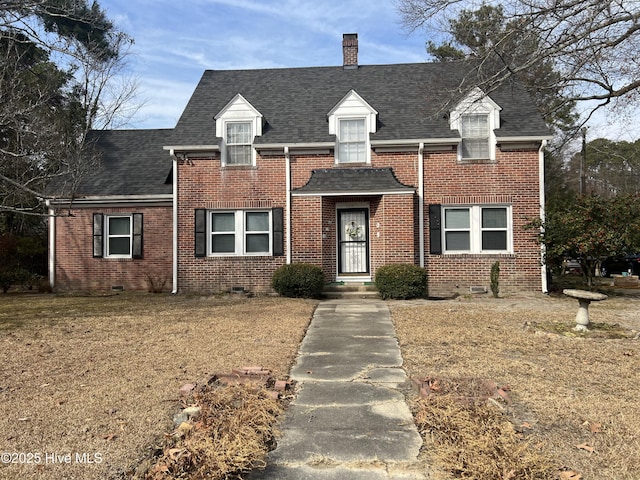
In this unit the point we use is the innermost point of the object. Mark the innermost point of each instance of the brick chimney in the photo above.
(350, 50)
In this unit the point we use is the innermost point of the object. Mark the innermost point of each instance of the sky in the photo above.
(177, 40)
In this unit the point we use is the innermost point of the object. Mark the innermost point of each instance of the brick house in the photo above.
(349, 168)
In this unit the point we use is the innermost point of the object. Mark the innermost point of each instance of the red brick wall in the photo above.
(393, 225)
(512, 179)
(77, 270)
(204, 184)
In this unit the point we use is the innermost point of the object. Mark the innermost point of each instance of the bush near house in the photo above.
(298, 280)
(401, 281)
(22, 261)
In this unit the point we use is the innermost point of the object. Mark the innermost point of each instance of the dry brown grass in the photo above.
(231, 435)
(574, 399)
(100, 375)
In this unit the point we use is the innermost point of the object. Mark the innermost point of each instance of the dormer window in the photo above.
(352, 120)
(237, 125)
(352, 141)
(476, 117)
(474, 130)
(238, 141)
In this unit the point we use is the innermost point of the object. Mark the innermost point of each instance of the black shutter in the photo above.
(435, 229)
(98, 235)
(277, 220)
(137, 236)
(200, 247)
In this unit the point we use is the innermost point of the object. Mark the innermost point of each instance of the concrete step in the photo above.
(351, 290)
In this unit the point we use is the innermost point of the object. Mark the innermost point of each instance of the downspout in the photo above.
(175, 224)
(287, 157)
(52, 244)
(545, 286)
(421, 201)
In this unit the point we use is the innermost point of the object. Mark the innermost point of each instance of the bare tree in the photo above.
(61, 74)
(592, 43)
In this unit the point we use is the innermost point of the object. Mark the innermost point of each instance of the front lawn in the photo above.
(89, 385)
(574, 399)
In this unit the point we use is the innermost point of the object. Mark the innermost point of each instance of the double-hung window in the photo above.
(117, 235)
(239, 138)
(477, 229)
(352, 141)
(475, 136)
(240, 232)
(457, 229)
(494, 229)
(476, 117)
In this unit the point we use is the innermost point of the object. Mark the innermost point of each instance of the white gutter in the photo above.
(52, 245)
(293, 146)
(416, 142)
(175, 224)
(288, 216)
(545, 286)
(525, 139)
(192, 148)
(421, 201)
(359, 193)
(108, 200)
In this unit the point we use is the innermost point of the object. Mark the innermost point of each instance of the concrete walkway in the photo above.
(349, 419)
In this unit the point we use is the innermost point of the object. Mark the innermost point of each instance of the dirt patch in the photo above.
(89, 385)
(573, 399)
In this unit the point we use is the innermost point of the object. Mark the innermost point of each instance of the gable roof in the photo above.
(412, 101)
(132, 162)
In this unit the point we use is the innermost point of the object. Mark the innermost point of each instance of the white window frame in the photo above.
(476, 103)
(238, 110)
(240, 233)
(229, 145)
(476, 229)
(346, 159)
(108, 236)
(352, 107)
(479, 138)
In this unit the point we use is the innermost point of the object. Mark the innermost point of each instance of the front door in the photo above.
(353, 241)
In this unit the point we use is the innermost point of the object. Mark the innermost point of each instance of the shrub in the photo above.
(495, 279)
(298, 280)
(401, 281)
(7, 278)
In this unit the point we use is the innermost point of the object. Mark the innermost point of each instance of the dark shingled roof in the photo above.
(132, 162)
(354, 181)
(412, 101)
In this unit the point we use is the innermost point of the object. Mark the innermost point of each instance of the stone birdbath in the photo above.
(584, 298)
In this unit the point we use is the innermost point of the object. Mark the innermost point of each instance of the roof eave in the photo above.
(351, 193)
(161, 199)
(525, 138)
(191, 148)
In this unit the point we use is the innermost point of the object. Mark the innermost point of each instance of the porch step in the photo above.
(351, 290)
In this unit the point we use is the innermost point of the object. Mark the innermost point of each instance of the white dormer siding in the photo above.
(237, 124)
(352, 121)
(476, 117)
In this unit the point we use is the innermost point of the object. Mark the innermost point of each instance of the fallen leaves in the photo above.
(595, 427)
(569, 475)
(585, 446)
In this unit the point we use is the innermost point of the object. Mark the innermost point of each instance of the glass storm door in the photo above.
(353, 239)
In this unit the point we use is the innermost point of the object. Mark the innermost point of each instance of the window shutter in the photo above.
(137, 235)
(200, 247)
(98, 235)
(435, 229)
(277, 220)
